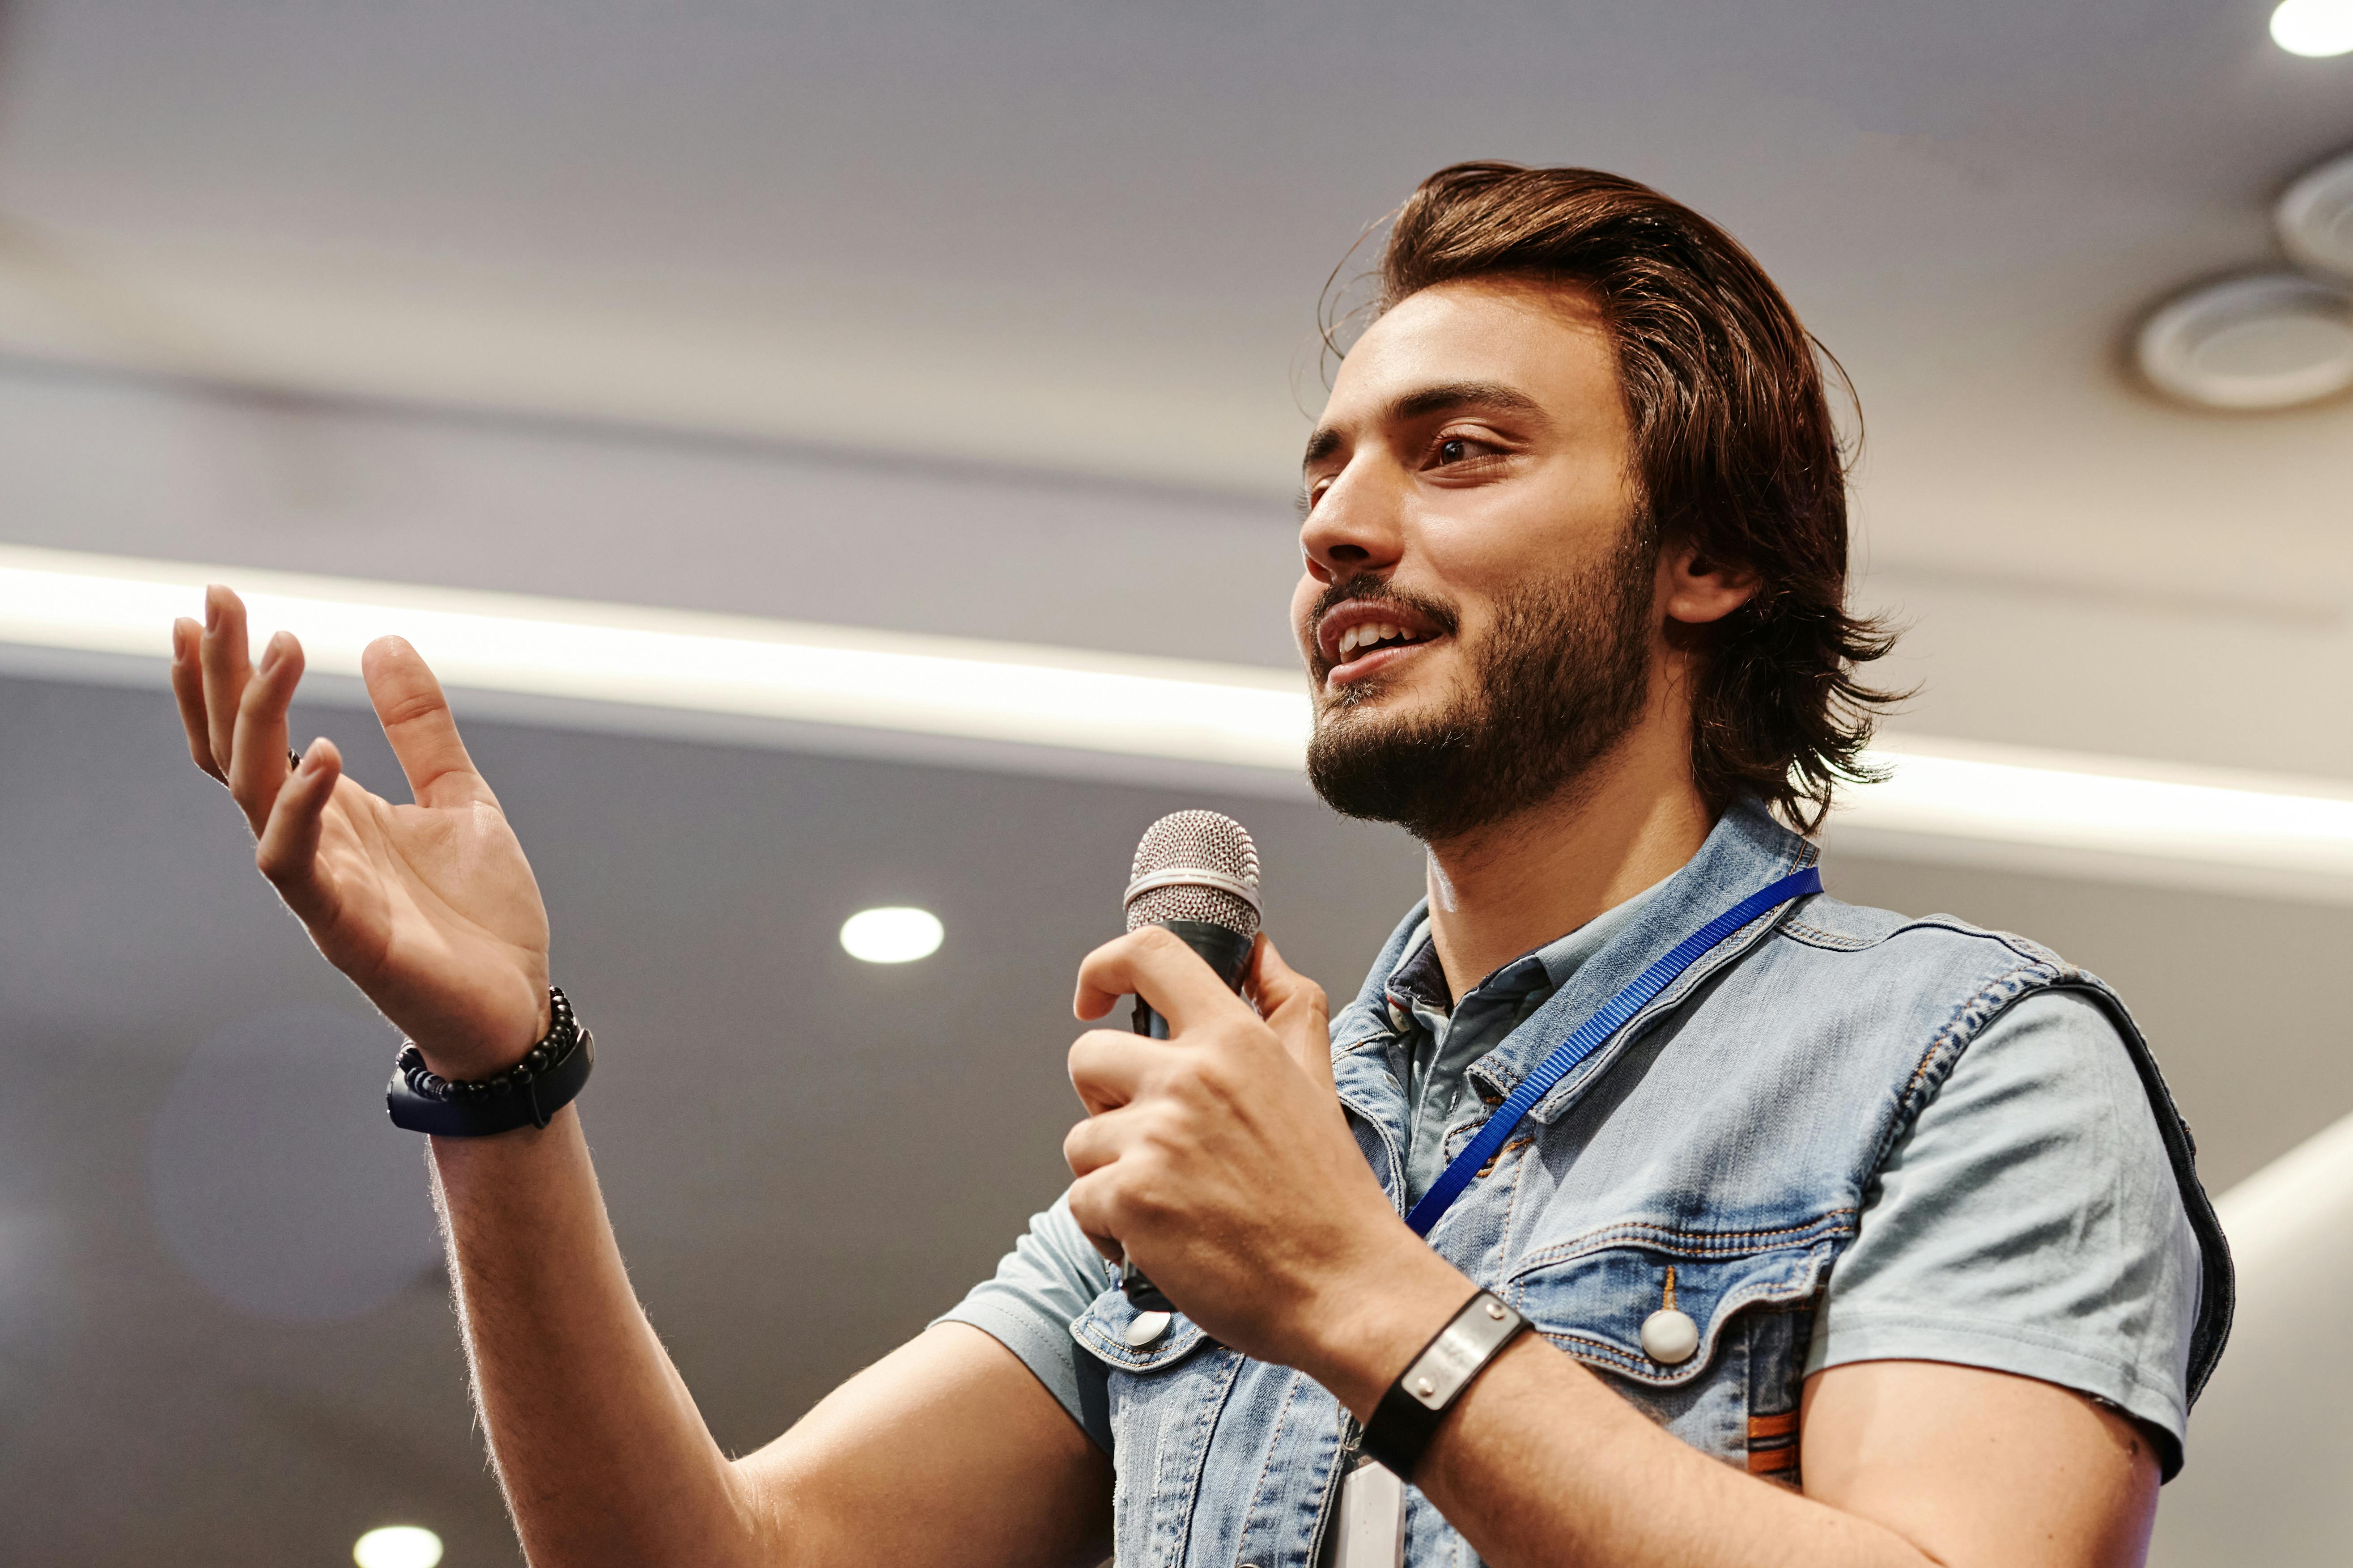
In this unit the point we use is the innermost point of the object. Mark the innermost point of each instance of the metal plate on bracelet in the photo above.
(1439, 1374)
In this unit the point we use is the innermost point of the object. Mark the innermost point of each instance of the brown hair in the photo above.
(1733, 446)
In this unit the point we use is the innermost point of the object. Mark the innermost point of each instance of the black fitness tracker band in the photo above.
(1409, 1415)
(525, 1095)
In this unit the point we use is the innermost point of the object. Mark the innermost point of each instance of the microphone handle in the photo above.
(1227, 952)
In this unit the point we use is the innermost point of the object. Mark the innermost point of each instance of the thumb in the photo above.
(417, 721)
(1294, 1008)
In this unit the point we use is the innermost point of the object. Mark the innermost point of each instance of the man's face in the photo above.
(1476, 613)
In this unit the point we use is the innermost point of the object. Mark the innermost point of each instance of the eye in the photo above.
(1452, 451)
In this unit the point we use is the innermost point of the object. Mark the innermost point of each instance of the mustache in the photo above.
(1367, 589)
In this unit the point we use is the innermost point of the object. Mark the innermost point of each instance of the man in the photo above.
(1857, 1240)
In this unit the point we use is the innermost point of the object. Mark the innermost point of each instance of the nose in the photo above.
(1356, 528)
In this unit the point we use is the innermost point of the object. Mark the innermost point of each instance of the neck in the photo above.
(1631, 819)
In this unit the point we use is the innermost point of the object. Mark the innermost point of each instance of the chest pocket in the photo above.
(1164, 1395)
(1729, 1320)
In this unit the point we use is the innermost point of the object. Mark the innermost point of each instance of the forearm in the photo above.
(603, 1456)
(1540, 1462)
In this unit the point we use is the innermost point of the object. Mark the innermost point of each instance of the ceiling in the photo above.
(1052, 239)
(994, 320)
(1090, 237)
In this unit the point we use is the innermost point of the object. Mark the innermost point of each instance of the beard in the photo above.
(1559, 681)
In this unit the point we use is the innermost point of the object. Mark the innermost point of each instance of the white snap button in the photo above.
(1146, 1328)
(1668, 1337)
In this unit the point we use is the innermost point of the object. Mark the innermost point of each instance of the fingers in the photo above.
(227, 667)
(1094, 1206)
(1107, 1067)
(188, 690)
(287, 853)
(1157, 965)
(258, 765)
(1115, 1179)
(1097, 1141)
(1294, 1008)
(417, 721)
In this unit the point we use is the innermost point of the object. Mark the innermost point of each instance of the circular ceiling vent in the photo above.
(2315, 218)
(2270, 340)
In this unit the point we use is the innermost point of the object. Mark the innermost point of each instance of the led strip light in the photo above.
(724, 664)
(1246, 720)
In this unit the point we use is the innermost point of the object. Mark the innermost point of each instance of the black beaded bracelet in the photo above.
(525, 1095)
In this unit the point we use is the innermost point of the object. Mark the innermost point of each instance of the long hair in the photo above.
(1735, 448)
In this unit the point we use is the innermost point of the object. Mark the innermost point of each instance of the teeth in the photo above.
(1367, 635)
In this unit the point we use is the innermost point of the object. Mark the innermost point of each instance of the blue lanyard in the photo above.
(1592, 1032)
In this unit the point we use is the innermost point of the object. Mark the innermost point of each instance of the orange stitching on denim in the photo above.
(1972, 1015)
(1488, 1169)
(1708, 1245)
(1641, 1368)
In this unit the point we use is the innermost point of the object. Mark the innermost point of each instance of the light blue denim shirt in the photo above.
(1850, 1135)
(1435, 1038)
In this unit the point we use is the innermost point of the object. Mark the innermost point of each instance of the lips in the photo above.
(1357, 636)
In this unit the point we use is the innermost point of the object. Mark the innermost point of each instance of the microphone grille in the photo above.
(1194, 865)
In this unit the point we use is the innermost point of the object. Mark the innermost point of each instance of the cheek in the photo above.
(1303, 602)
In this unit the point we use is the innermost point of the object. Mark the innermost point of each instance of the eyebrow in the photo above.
(1424, 401)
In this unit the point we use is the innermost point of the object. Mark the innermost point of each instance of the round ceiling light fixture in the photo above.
(2314, 29)
(2260, 340)
(2315, 218)
(892, 935)
(398, 1546)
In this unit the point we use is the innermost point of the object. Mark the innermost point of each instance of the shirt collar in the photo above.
(1746, 849)
(1419, 980)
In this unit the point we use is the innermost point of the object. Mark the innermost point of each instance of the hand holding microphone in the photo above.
(1214, 1156)
(1194, 876)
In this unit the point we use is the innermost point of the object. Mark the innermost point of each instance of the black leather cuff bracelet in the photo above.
(525, 1095)
(1409, 1415)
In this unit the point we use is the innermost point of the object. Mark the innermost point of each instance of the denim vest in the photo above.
(1727, 1132)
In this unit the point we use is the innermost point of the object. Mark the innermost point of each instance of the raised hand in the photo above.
(431, 909)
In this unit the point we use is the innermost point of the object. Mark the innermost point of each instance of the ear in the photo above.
(1695, 590)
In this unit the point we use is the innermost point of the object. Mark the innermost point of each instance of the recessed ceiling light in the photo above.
(892, 935)
(2316, 217)
(398, 1546)
(2316, 29)
(2270, 340)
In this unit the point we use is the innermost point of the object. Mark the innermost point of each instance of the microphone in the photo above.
(1195, 874)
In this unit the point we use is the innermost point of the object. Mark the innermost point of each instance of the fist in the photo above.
(1220, 1157)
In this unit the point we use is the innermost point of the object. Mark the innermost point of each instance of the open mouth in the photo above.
(1357, 640)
